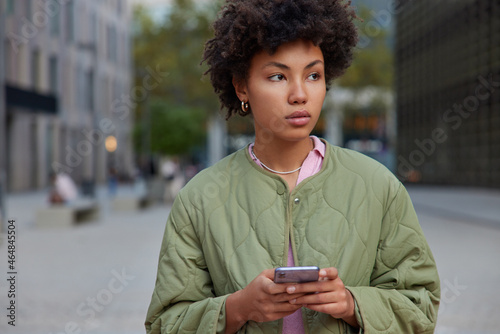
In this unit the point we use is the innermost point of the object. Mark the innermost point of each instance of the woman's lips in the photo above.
(299, 118)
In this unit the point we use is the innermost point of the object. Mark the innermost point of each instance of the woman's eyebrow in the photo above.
(286, 67)
(276, 64)
(313, 64)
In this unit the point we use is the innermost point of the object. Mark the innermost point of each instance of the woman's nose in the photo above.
(298, 93)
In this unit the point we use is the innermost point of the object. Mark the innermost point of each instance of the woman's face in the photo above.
(286, 91)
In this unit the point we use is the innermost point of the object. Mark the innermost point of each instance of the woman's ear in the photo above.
(240, 88)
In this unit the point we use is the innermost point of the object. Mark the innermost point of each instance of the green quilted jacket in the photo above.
(234, 219)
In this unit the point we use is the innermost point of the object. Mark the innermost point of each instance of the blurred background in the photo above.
(105, 114)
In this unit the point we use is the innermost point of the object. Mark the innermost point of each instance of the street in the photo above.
(462, 227)
(98, 277)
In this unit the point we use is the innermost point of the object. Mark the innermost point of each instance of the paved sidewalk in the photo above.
(98, 277)
(457, 203)
(462, 226)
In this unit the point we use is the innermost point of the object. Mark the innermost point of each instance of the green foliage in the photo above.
(373, 64)
(184, 97)
(172, 129)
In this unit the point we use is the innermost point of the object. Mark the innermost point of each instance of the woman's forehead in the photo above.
(299, 53)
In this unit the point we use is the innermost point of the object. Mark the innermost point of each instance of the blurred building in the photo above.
(362, 120)
(448, 92)
(66, 79)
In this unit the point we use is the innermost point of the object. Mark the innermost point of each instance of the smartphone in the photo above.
(296, 274)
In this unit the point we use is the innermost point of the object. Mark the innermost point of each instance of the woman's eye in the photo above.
(277, 77)
(314, 76)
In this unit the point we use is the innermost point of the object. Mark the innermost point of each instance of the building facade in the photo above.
(66, 81)
(448, 92)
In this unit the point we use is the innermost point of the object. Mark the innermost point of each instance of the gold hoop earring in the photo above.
(244, 106)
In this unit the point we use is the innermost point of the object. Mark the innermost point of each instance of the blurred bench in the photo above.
(67, 214)
(131, 203)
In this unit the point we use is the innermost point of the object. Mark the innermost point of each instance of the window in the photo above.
(28, 10)
(10, 7)
(109, 41)
(93, 28)
(70, 22)
(80, 93)
(55, 23)
(53, 78)
(7, 61)
(49, 146)
(126, 50)
(112, 44)
(116, 90)
(89, 90)
(35, 69)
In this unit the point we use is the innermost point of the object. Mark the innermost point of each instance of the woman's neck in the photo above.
(283, 156)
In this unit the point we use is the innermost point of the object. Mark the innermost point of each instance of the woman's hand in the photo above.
(261, 300)
(327, 295)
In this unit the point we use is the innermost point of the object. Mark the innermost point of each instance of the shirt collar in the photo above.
(319, 146)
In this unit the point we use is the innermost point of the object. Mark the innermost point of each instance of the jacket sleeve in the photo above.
(404, 291)
(183, 300)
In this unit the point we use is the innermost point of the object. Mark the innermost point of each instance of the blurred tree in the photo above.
(172, 128)
(183, 98)
(372, 64)
(368, 113)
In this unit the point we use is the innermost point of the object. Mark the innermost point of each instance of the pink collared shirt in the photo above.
(293, 324)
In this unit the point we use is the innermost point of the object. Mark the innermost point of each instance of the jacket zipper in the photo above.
(284, 260)
(287, 231)
(290, 243)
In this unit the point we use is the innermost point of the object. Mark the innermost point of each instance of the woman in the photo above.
(290, 198)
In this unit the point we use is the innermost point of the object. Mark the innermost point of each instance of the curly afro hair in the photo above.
(245, 27)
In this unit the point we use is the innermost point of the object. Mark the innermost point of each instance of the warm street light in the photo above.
(111, 144)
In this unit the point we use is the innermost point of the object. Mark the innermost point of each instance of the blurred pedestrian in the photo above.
(290, 199)
(112, 182)
(191, 171)
(63, 189)
(173, 178)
